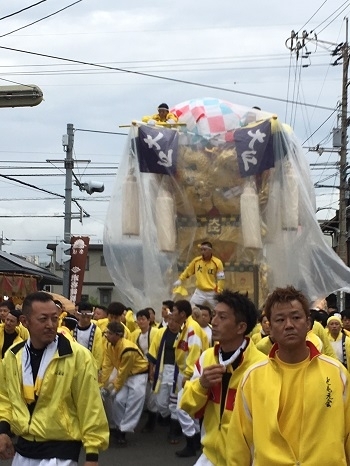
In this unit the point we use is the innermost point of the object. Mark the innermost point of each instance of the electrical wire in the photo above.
(332, 21)
(307, 22)
(328, 17)
(41, 19)
(43, 190)
(164, 78)
(23, 9)
(320, 126)
(98, 131)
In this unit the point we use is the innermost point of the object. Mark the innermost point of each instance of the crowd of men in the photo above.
(242, 387)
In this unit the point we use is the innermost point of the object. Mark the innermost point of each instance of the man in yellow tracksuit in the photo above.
(128, 390)
(209, 273)
(285, 403)
(212, 389)
(49, 395)
(163, 116)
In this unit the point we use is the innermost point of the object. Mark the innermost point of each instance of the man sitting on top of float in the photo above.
(163, 116)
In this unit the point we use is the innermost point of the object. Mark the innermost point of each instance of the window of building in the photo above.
(102, 261)
(84, 298)
(105, 296)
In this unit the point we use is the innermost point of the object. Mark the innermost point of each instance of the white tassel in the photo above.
(165, 221)
(250, 217)
(290, 200)
(273, 218)
(130, 207)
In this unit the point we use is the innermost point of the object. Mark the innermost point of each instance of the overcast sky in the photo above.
(237, 46)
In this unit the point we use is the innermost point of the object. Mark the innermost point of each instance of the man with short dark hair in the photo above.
(294, 394)
(5, 307)
(100, 312)
(143, 337)
(46, 381)
(167, 309)
(345, 318)
(212, 389)
(189, 345)
(9, 333)
(116, 312)
(209, 273)
(163, 116)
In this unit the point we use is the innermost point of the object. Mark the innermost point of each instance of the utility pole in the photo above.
(296, 43)
(68, 165)
(343, 191)
(90, 187)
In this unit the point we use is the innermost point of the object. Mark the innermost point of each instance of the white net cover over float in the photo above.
(231, 175)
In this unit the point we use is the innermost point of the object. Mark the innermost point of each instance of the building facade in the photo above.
(98, 287)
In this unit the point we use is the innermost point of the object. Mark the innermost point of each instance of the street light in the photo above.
(28, 95)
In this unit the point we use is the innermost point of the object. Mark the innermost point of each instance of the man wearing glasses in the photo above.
(89, 334)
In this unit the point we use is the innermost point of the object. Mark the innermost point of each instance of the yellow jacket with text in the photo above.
(209, 274)
(69, 405)
(254, 433)
(210, 403)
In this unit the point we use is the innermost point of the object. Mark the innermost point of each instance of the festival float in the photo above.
(224, 173)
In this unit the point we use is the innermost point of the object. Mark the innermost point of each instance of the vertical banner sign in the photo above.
(79, 251)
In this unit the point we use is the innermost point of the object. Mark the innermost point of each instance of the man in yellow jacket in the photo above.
(9, 333)
(163, 116)
(212, 389)
(128, 389)
(49, 395)
(286, 402)
(209, 273)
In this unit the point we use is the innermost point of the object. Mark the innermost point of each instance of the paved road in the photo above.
(142, 450)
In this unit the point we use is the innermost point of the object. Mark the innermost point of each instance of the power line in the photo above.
(318, 9)
(41, 19)
(31, 186)
(97, 131)
(25, 175)
(328, 17)
(164, 78)
(325, 121)
(23, 9)
(44, 191)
